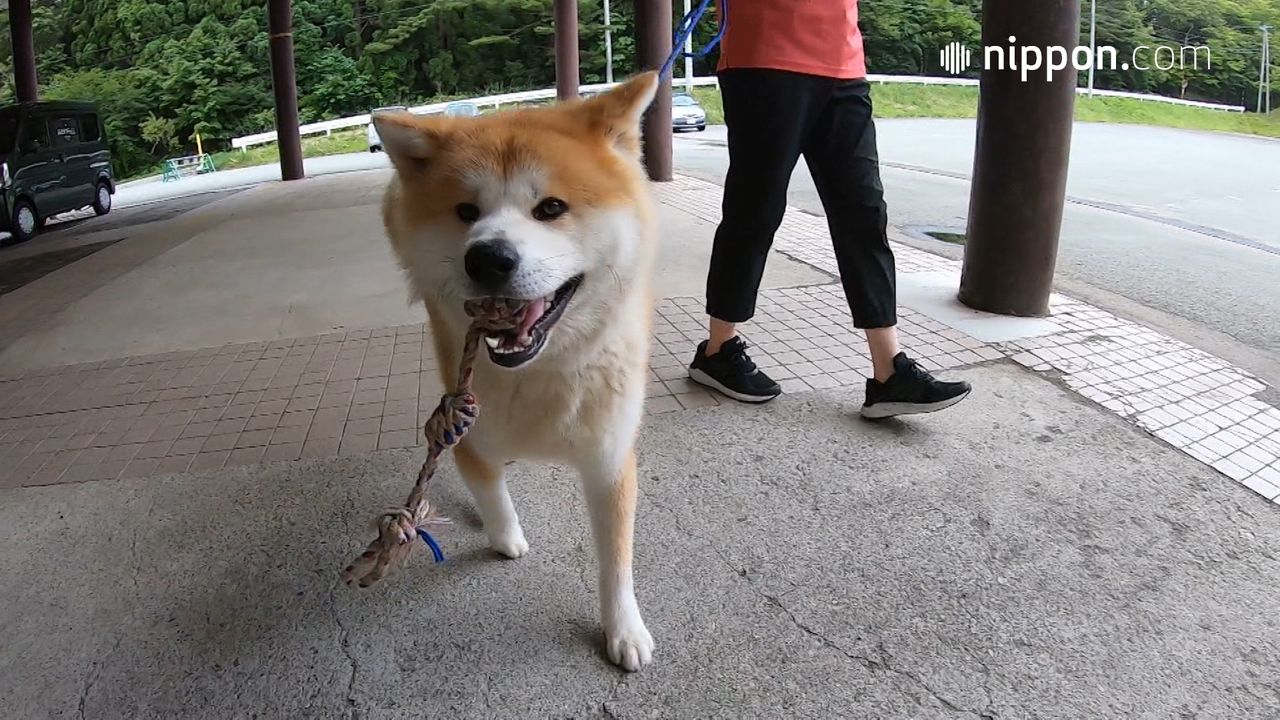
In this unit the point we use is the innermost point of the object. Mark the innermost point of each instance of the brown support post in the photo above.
(566, 26)
(24, 50)
(653, 44)
(280, 27)
(1020, 163)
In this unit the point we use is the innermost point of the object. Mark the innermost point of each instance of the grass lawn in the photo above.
(901, 100)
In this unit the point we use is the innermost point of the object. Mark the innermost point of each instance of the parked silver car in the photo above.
(687, 114)
(463, 109)
(375, 142)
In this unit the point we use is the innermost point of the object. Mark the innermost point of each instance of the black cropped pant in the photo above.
(773, 118)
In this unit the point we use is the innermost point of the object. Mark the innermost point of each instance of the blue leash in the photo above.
(685, 29)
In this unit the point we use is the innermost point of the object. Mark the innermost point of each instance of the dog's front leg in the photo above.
(610, 490)
(489, 489)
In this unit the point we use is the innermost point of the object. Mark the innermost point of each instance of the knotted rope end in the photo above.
(398, 528)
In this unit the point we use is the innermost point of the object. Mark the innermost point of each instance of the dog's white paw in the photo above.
(510, 542)
(630, 644)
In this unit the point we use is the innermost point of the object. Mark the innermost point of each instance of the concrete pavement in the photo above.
(274, 261)
(1028, 557)
(174, 523)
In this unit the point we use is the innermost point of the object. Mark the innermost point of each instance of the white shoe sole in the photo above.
(706, 380)
(880, 411)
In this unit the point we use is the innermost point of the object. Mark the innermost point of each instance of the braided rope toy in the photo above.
(399, 527)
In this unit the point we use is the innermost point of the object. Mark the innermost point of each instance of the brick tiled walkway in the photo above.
(342, 394)
(202, 409)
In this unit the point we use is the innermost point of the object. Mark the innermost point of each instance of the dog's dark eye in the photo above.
(467, 213)
(550, 209)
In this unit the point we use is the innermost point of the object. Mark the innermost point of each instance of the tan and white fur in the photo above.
(561, 193)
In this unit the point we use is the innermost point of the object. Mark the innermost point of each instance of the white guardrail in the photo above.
(328, 126)
(493, 101)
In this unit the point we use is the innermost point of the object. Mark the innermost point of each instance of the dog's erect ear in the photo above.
(409, 140)
(617, 113)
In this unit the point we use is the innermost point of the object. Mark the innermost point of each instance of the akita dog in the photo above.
(549, 208)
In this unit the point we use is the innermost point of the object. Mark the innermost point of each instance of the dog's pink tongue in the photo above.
(532, 313)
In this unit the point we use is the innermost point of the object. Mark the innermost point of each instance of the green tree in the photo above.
(332, 84)
(212, 75)
(161, 132)
(1121, 25)
(123, 97)
(906, 39)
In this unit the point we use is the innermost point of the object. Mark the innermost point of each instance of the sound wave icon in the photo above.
(955, 58)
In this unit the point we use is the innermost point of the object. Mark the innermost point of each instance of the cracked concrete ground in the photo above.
(1023, 556)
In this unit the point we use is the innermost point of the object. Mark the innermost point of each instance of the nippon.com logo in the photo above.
(956, 58)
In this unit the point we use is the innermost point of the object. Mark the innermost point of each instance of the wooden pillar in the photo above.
(653, 45)
(1020, 162)
(24, 52)
(284, 82)
(566, 27)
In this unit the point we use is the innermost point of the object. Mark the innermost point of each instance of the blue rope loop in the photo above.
(431, 543)
(686, 28)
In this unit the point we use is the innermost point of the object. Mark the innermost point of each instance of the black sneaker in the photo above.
(732, 373)
(910, 390)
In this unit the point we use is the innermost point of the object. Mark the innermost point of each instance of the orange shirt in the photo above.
(815, 37)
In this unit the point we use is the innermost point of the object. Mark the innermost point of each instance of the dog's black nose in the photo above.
(491, 263)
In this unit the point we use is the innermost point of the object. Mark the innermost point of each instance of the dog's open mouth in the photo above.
(532, 320)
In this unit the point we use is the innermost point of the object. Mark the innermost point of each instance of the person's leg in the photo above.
(843, 160)
(768, 115)
(721, 332)
(883, 344)
(765, 113)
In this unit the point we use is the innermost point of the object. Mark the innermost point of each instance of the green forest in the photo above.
(164, 70)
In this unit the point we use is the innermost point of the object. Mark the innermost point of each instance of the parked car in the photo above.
(53, 159)
(687, 114)
(464, 109)
(375, 142)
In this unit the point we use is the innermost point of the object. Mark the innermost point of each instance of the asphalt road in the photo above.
(73, 236)
(1184, 223)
